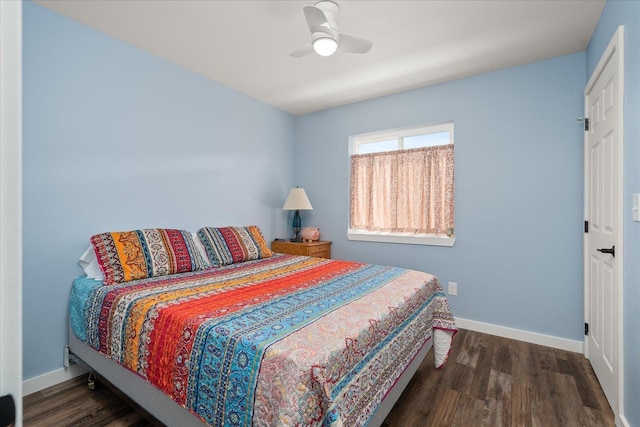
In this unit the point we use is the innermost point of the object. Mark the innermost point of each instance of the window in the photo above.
(402, 186)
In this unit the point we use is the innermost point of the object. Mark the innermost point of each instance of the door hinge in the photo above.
(586, 226)
(586, 124)
(586, 328)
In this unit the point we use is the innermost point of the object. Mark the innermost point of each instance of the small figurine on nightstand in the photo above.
(310, 234)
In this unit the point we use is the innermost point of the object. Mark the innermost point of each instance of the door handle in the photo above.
(611, 251)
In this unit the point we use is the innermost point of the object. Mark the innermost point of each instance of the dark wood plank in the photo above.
(445, 412)
(583, 383)
(488, 381)
(502, 360)
(521, 406)
(482, 372)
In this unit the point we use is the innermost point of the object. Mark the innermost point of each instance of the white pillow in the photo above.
(200, 246)
(89, 263)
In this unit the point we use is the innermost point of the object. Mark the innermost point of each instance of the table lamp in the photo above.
(296, 201)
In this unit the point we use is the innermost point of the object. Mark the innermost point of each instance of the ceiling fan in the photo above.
(326, 38)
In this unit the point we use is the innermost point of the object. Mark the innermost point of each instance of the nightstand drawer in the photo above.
(323, 251)
(319, 249)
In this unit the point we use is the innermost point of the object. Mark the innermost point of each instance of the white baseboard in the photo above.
(517, 334)
(52, 378)
(624, 422)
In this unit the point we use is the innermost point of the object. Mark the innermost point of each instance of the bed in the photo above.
(244, 336)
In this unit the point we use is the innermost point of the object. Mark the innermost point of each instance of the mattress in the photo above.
(285, 340)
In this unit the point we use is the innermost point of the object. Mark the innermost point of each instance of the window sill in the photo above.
(405, 238)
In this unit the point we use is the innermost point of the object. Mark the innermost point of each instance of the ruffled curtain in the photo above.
(403, 191)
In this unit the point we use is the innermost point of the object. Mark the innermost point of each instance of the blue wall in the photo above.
(518, 181)
(116, 138)
(627, 13)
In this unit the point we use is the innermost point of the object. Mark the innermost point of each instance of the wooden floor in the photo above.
(488, 381)
(491, 381)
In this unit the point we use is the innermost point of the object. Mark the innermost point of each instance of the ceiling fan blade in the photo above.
(316, 19)
(352, 44)
(304, 50)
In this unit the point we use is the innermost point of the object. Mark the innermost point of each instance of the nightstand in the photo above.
(319, 248)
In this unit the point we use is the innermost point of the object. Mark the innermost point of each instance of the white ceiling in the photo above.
(246, 44)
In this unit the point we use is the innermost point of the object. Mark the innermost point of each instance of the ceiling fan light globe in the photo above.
(325, 46)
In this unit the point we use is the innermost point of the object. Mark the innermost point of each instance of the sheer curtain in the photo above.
(403, 191)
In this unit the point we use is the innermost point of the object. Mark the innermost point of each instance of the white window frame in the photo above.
(389, 237)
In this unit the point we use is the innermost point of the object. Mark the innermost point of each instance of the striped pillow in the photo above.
(138, 254)
(229, 245)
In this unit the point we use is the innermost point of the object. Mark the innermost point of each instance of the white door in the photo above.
(603, 211)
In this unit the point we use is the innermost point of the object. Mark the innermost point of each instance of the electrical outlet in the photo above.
(453, 288)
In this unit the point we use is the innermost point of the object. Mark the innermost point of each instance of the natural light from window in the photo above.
(402, 186)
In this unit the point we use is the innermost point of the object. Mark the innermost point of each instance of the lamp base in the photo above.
(296, 235)
(297, 224)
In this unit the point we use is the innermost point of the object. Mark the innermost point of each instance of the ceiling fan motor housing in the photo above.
(331, 11)
(330, 34)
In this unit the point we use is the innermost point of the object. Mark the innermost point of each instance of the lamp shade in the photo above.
(297, 200)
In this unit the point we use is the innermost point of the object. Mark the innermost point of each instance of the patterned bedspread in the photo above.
(285, 340)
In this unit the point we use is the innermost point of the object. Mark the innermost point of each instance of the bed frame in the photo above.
(170, 413)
